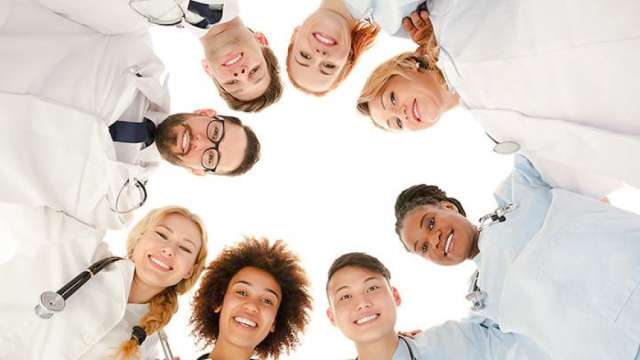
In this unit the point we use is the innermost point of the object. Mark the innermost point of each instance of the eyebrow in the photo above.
(370, 278)
(173, 232)
(250, 284)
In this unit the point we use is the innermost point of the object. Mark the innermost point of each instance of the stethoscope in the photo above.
(406, 343)
(52, 302)
(142, 196)
(173, 15)
(476, 295)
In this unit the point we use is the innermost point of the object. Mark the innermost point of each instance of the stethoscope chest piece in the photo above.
(50, 302)
(506, 148)
(475, 295)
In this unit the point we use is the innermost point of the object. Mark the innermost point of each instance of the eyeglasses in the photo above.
(215, 133)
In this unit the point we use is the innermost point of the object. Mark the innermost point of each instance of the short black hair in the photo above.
(359, 260)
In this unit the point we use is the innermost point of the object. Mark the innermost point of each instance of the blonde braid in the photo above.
(161, 309)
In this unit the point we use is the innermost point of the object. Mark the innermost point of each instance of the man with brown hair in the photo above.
(238, 60)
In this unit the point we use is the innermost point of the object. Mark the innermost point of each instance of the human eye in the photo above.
(432, 223)
(372, 288)
(329, 66)
(424, 248)
(185, 249)
(161, 234)
(241, 292)
(399, 123)
(254, 70)
(268, 301)
(344, 297)
(305, 56)
(392, 98)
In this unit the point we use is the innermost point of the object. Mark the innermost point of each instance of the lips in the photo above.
(416, 111)
(185, 142)
(244, 322)
(324, 39)
(159, 264)
(367, 319)
(232, 59)
(448, 245)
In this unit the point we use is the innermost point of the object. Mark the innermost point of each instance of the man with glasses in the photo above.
(81, 96)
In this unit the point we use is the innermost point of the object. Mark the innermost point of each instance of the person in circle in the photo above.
(253, 301)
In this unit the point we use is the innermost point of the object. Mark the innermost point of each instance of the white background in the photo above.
(327, 181)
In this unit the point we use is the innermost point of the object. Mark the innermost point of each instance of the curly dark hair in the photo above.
(420, 195)
(283, 265)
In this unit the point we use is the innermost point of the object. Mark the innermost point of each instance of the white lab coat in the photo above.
(558, 77)
(68, 71)
(387, 13)
(54, 249)
(563, 270)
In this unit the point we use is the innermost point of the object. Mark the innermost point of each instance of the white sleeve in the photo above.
(466, 340)
(113, 17)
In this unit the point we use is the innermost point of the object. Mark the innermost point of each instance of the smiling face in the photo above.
(249, 308)
(320, 49)
(166, 253)
(439, 234)
(191, 142)
(409, 103)
(362, 304)
(234, 59)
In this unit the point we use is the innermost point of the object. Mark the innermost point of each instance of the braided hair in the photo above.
(420, 195)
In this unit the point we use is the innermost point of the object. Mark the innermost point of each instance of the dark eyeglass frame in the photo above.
(216, 144)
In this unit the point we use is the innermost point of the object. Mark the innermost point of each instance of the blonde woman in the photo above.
(555, 81)
(113, 312)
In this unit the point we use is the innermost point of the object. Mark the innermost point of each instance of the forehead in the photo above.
(258, 278)
(352, 276)
(182, 226)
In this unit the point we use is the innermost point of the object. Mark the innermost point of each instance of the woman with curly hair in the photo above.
(559, 268)
(253, 300)
(111, 315)
(525, 69)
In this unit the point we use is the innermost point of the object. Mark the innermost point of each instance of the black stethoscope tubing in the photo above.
(52, 302)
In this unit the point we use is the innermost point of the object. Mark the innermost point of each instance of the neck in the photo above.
(475, 250)
(337, 6)
(141, 293)
(450, 100)
(227, 351)
(383, 348)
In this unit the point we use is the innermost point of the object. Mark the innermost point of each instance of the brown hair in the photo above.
(165, 304)
(166, 137)
(400, 65)
(270, 95)
(283, 265)
(359, 260)
(363, 34)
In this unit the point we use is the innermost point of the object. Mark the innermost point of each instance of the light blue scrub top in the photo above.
(562, 270)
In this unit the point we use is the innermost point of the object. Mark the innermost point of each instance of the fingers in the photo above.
(417, 20)
(407, 25)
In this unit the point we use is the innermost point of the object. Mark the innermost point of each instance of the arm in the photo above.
(112, 17)
(464, 340)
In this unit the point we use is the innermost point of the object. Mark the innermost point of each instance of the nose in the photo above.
(241, 71)
(250, 306)
(321, 52)
(167, 251)
(434, 239)
(364, 304)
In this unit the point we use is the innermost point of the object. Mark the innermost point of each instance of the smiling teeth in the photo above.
(366, 319)
(447, 245)
(245, 321)
(323, 39)
(234, 60)
(160, 263)
(184, 141)
(415, 110)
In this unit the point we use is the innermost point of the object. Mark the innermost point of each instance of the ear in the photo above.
(331, 317)
(188, 275)
(207, 68)
(262, 39)
(218, 309)
(205, 112)
(448, 205)
(396, 296)
(198, 172)
(273, 328)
